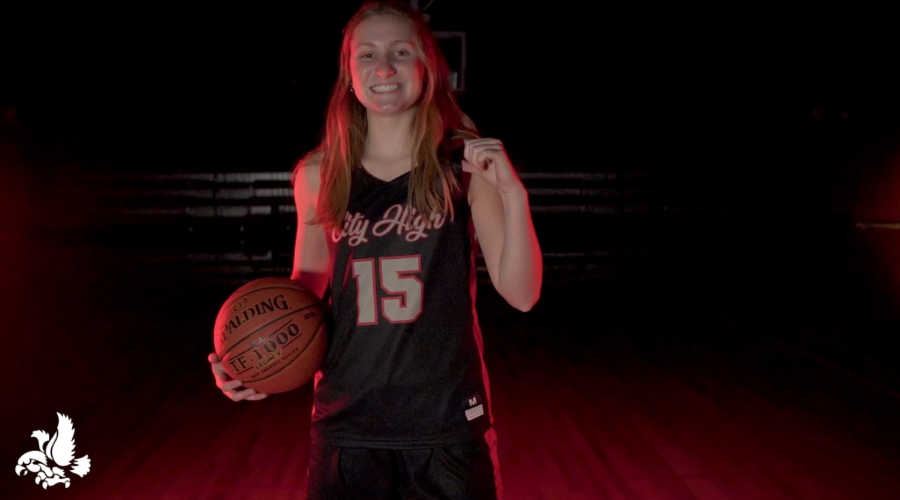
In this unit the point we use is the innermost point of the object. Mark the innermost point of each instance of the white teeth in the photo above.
(385, 88)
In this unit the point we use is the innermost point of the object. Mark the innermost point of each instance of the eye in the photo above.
(402, 52)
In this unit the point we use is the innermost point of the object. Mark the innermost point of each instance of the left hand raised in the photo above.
(487, 159)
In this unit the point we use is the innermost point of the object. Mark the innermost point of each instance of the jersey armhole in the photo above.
(464, 178)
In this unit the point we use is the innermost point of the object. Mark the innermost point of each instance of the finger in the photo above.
(486, 152)
(216, 363)
(231, 385)
(242, 395)
(220, 373)
(257, 396)
(237, 395)
(492, 153)
(472, 144)
(469, 167)
(221, 378)
(471, 153)
(238, 392)
(483, 140)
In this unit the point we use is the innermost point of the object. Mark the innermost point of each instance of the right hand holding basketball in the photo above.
(230, 386)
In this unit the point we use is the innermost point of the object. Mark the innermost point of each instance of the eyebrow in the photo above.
(370, 44)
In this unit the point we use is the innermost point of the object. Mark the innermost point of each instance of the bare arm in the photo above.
(502, 218)
(312, 264)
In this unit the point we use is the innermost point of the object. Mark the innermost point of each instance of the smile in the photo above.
(385, 88)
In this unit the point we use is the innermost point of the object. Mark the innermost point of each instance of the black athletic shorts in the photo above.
(463, 471)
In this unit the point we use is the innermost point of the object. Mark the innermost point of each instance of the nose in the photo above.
(385, 70)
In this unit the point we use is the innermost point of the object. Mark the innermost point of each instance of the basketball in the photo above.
(271, 334)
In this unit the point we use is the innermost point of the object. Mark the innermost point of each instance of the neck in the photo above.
(389, 137)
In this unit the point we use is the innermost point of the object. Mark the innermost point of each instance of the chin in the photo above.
(391, 110)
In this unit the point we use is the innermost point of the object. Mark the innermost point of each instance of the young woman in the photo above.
(391, 209)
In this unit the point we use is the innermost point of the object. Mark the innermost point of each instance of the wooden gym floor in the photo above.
(599, 393)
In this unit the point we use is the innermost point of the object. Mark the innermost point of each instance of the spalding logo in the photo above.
(266, 306)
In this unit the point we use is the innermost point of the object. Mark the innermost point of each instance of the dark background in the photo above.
(655, 89)
(784, 125)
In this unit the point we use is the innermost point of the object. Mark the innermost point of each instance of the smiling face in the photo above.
(385, 67)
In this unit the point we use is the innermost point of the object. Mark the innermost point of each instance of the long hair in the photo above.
(438, 123)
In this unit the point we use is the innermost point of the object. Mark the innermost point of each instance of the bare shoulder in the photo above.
(305, 178)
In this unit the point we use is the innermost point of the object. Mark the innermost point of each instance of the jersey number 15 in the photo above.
(396, 276)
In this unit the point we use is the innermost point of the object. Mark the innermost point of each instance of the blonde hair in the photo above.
(438, 122)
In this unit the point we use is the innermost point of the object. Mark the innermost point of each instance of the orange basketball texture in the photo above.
(271, 334)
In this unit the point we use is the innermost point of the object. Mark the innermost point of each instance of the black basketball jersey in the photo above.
(404, 367)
